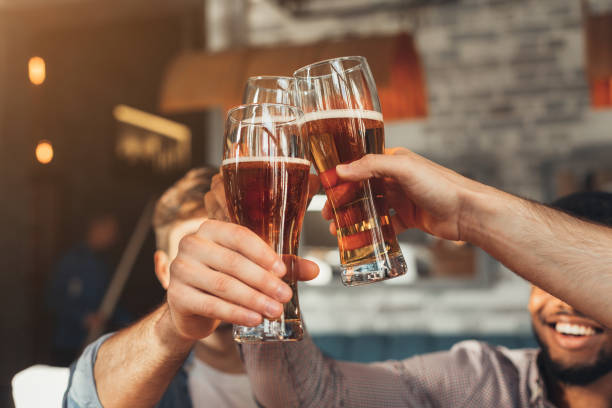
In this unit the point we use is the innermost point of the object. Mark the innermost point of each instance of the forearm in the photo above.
(563, 255)
(135, 366)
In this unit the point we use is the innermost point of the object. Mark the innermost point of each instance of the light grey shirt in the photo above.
(471, 374)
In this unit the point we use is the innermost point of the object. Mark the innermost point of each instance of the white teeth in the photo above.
(574, 329)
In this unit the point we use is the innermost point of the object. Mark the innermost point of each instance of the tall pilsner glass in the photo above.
(265, 171)
(343, 122)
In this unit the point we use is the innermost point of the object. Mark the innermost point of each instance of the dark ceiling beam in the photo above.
(300, 9)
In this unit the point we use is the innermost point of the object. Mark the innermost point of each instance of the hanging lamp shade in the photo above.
(198, 81)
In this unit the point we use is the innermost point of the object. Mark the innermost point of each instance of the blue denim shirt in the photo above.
(82, 393)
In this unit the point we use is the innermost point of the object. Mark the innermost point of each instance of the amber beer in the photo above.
(268, 195)
(342, 136)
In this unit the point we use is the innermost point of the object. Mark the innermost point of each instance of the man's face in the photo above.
(571, 340)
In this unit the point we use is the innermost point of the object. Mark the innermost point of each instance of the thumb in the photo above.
(370, 165)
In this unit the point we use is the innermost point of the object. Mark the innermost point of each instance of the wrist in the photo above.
(168, 337)
(483, 214)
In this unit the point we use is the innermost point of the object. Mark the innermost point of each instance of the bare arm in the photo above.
(565, 256)
(146, 355)
(568, 257)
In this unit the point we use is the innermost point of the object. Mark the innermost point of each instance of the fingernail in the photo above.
(278, 268)
(283, 293)
(253, 318)
(342, 167)
(273, 309)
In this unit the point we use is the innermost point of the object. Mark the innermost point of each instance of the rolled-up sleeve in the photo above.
(81, 391)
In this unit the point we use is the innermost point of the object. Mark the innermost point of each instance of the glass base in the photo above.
(376, 271)
(270, 330)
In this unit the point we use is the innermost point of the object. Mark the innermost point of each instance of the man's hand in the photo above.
(226, 272)
(424, 194)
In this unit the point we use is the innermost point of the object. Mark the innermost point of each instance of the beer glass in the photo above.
(269, 89)
(343, 122)
(265, 172)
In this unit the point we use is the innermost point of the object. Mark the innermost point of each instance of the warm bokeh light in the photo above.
(37, 70)
(44, 152)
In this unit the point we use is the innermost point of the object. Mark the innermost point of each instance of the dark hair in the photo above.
(595, 206)
(182, 201)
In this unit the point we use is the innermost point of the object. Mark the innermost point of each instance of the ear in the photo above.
(162, 268)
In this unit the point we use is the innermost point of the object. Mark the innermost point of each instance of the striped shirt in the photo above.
(471, 374)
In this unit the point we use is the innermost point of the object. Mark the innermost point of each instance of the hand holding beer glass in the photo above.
(265, 171)
(343, 122)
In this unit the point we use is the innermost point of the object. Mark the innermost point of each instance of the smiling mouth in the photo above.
(575, 330)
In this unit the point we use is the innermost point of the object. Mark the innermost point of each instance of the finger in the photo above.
(306, 270)
(371, 165)
(246, 242)
(398, 224)
(226, 287)
(234, 264)
(333, 229)
(344, 193)
(191, 301)
(397, 151)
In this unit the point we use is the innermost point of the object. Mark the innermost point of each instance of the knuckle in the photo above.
(220, 284)
(368, 159)
(177, 267)
(207, 226)
(206, 307)
(259, 302)
(238, 235)
(233, 262)
(188, 243)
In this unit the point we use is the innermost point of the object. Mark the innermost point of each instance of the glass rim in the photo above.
(297, 113)
(359, 58)
(256, 77)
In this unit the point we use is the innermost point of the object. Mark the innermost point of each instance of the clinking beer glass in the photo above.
(343, 122)
(265, 171)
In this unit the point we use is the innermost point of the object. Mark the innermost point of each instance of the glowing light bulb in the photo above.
(37, 70)
(44, 152)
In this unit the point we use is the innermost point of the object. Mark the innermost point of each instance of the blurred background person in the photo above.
(77, 286)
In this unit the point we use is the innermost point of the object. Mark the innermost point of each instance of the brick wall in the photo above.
(506, 82)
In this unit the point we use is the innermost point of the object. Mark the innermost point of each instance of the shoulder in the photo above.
(81, 390)
(471, 371)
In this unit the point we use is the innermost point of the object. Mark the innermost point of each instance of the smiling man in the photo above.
(576, 351)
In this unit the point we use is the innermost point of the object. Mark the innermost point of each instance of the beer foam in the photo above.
(342, 113)
(271, 159)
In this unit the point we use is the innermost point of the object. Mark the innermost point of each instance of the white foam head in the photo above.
(271, 159)
(343, 113)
